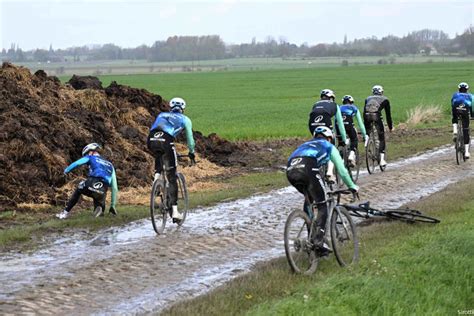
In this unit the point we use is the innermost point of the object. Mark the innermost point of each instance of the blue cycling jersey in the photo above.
(319, 149)
(348, 110)
(98, 167)
(460, 98)
(172, 123)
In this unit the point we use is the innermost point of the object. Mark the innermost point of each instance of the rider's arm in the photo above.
(340, 124)
(77, 163)
(389, 114)
(361, 123)
(114, 187)
(188, 128)
(341, 170)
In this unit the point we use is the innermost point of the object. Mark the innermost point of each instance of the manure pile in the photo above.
(44, 125)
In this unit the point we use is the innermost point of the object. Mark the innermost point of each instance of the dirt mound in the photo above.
(85, 82)
(45, 124)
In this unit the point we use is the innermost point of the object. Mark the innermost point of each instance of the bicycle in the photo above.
(301, 253)
(372, 150)
(459, 141)
(160, 206)
(364, 210)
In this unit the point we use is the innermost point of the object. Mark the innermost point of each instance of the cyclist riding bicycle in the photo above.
(321, 115)
(101, 176)
(374, 105)
(303, 173)
(349, 111)
(462, 98)
(160, 142)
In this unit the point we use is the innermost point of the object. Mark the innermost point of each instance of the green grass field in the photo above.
(275, 103)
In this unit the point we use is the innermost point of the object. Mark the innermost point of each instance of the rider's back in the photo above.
(171, 123)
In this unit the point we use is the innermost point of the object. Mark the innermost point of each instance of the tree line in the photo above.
(194, 48)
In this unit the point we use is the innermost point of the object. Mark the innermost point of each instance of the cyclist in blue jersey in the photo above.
(160, 142)
(462, 99)
(101, 176)
(303, 173)
(348, 111)
(321, 115)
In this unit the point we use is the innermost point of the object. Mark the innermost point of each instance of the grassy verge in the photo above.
(404, 269)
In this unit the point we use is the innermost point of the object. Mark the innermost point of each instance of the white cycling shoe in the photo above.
(383, 163)
(157, 176)
(63, 214)
(352, 158)
(467, 155)
(175, 214)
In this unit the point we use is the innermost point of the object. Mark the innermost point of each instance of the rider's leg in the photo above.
(352, 133)
(465, 131)
(155, 142)
(454, 120)
(381, 132)
(74, 198)
(317, 192)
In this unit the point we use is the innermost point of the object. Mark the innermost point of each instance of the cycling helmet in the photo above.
(327, 93)
(377, 90)
(463, 85)
(90, 147)
(348, 98)
(323, 130)
(177, 104)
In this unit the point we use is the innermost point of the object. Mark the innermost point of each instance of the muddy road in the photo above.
(131, 270)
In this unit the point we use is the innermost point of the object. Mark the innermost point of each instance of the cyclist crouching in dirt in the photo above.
(160, 142)
(101, 176)
(462, 99)
(303, 173)
(374, 105)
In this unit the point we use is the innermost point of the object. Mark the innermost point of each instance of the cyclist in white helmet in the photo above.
(101, 176)
(321, 115)
(374, 105)
(462, 99)
(160, 142)
(303, 173)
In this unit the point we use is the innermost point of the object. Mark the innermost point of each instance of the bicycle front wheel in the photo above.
(298, 247)
(158, 211)
(344, 237)
(183, 202)
(411, 216)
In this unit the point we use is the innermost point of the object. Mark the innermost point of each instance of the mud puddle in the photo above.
(131, 270)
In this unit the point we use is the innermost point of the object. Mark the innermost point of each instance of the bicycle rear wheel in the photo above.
(183, 202)
(371, 155)
(344, 237)
(298, 247)
(157, 207)
(411, 216)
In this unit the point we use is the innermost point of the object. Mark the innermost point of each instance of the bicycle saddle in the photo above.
(365, 205)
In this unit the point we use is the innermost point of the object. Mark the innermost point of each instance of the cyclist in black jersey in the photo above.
(374, 105)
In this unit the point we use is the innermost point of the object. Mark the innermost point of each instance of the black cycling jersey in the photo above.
(321, 115)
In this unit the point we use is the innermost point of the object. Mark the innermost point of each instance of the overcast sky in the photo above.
(66, 23)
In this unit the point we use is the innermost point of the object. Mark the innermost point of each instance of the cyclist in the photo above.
(349, 111)
(462, 99)
(160, 142)
(303, 173)
(321, 115)
(374, 105)
(101, 176)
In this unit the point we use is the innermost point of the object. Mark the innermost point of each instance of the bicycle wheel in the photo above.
(411, 216)
(344, 239)
(157, 207)
(371, 155)
(298, 247)
(458, 146)
(183, 202)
